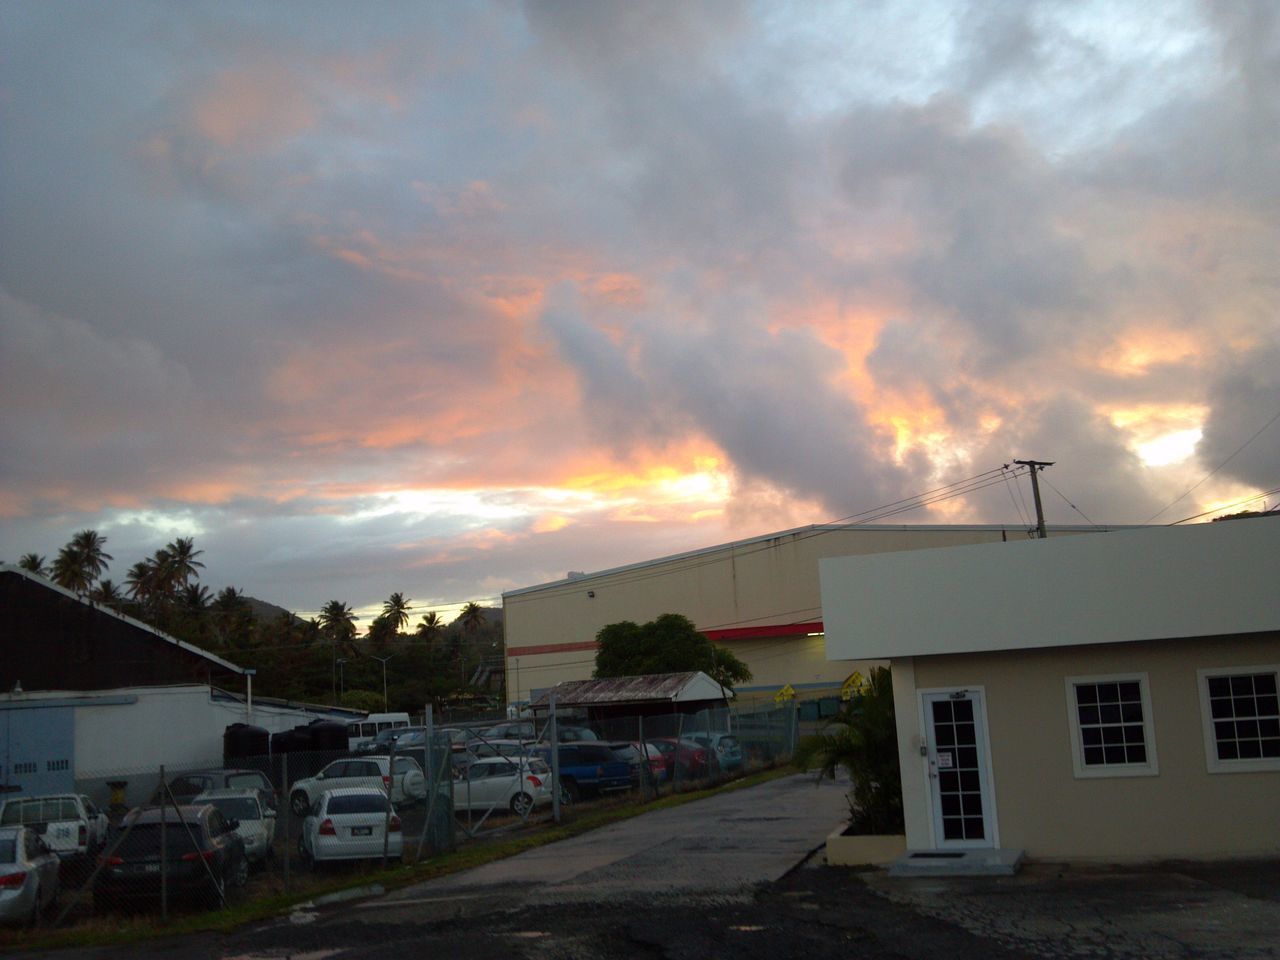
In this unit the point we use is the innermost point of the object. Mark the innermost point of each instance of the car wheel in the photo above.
(299, 804)
(521, 804)
(570, 792)
(240, 873)
(304, 854)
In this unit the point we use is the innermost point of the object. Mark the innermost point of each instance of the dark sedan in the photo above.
(202, 857)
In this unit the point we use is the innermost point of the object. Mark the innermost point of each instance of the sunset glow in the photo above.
(454, 300)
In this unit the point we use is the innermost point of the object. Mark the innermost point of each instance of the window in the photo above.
(1240, 707)
(1111, 730)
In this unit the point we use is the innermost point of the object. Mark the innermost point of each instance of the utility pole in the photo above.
(383, 661)
(1035, 466)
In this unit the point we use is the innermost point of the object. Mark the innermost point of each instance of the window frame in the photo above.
(1212, 762)
(1084, 771)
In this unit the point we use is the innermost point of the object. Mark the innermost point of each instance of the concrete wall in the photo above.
(1044, 808)
(551, 629)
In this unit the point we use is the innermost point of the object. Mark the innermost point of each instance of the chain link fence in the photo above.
(223, 831)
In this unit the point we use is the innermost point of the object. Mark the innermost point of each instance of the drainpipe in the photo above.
(248, 695)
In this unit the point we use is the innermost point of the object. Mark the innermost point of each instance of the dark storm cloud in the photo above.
(1242, 434)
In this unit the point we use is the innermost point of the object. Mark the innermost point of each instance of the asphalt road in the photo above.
(734, 876)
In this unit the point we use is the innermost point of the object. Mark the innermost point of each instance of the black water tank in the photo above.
(291, 741)
(328, 735)
(245, 740)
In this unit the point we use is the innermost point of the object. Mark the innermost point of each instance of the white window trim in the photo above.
(1083, 772)
(1212, 763)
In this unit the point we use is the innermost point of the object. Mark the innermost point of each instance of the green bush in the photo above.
(863, 739)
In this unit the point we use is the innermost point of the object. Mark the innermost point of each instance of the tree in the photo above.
(863, 739)
(107, 594)
(89, 545)
(396, 611)
(180, 563)
(70, 571)
(668, 644)
(33, 563)
(431, 628)
(472, 617)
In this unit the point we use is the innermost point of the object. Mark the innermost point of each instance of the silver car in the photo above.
(28, 876)
(255, 821)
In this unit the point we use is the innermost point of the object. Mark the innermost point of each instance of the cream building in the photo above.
(1109, 697)
(759, 597)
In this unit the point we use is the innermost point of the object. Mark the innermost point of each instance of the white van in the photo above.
(361, 732)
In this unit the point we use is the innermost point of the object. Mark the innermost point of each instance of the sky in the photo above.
(453, 298)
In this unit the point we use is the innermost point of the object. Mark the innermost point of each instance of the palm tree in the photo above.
(338, 624)
(141, 582)
(70, 570)
(196, 597)
(432, 626)
(180, 560)
(864, 740)
(89, 544)
(107, 594)
(33, 563)
(337, 621)
(472, 617)
(395, 610)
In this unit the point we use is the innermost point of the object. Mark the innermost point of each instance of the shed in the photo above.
(649, 695)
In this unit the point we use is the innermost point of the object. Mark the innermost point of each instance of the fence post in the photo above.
(644, 762)
(555, 760)
(164, 849)
(285, 812)
(391, 789)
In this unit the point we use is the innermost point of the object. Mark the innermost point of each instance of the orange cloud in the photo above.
(253, 107)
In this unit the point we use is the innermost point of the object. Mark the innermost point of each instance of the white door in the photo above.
(955, 724)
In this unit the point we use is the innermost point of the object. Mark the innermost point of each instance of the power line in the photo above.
(1238, 449)
(1261, 496)
(1066, 501)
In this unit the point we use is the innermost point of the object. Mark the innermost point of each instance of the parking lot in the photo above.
(696, 882)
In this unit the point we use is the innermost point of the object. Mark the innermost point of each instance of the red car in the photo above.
(686, 759)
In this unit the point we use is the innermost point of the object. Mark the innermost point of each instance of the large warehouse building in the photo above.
(759, 597)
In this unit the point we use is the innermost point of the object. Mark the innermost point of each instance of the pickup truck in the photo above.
(587, 769)
(69, 823)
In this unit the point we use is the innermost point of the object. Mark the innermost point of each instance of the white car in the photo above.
(408, 786)
(517, 784)
(255, 821)
(70, 825)
(28, 876)
(349, 823)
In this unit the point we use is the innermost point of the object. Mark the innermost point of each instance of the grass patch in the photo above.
(116, 930)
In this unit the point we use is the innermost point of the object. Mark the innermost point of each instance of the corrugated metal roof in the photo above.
(643, 689)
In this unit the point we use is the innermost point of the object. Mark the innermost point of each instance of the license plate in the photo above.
(362, 831)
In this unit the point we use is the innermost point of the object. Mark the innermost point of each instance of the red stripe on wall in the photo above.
(536, 649)
(766, 631)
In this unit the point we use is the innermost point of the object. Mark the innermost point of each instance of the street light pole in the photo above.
(383, 661)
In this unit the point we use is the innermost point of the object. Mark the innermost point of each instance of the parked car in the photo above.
(256, 822)
(458, 737)
(68, 823)
(349, 823)
(407, 786)
(28, 876)
(195, 782)
(571, 734)
(510, 730)
(727, 748)
(517, 784)
(381, 743)
(498, 748)
(203, 857)
(587, 769)
(657, 762)
(686, 759)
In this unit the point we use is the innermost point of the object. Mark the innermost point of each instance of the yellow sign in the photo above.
(788, 692)
(853, 685)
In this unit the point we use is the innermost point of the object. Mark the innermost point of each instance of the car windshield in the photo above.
(253, 781)
(8, 850)
(237, 808)
(40, 810)
(538, 766)
(144, 840)
(357, 803)
(406, 765)
(628, 753)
